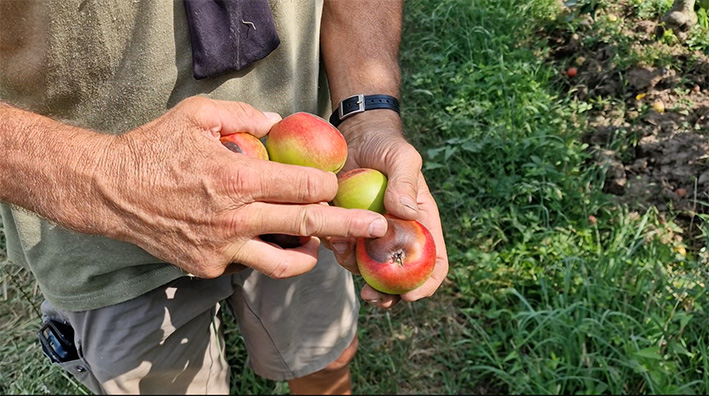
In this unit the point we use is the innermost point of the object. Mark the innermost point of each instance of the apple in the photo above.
(245, 143)
(285, 241)
(248, 144)
(361, 188)
(401, 260)
(308, 140)
(659, 106)
(572, 71)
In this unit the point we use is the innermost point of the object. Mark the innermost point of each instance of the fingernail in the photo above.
(373, 300)
(378, 228)
(339, 247)
(272, 116)
(409, 203)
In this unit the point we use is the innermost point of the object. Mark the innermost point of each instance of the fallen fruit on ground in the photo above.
(658, 106)
(361, 188)
(401, 260)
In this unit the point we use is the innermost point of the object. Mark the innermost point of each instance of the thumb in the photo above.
(401, 194)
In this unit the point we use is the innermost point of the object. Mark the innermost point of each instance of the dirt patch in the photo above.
(649, 121)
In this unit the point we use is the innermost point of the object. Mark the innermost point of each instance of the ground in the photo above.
(647, 99)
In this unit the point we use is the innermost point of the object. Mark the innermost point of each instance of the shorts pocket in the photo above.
(82, 372)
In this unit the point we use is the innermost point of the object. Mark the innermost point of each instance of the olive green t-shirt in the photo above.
(111, 66)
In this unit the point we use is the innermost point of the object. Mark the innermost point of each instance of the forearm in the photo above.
(48, 167)
(360, 47)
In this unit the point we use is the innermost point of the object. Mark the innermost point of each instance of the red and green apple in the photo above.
(361, 188)
(245, 143)
(308, 140)
(401, 260)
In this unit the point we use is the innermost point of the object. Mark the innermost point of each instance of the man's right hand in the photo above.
(173, 189)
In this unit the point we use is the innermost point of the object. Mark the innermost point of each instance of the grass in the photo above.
(553, 287)
(23, 368)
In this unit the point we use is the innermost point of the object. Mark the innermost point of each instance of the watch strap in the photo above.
(360, 103)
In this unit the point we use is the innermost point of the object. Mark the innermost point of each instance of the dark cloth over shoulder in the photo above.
(228, 35)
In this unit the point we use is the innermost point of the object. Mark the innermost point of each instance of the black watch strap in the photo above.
(360, 103)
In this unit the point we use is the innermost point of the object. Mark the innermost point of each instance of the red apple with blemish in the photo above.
(361, 188)
(308, 140)
(401, 260)
(245, 143)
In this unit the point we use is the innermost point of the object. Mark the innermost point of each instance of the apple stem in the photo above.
(398, 258)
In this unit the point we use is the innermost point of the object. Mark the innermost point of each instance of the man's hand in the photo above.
(376, 141)
(375, 138)
(173, 189)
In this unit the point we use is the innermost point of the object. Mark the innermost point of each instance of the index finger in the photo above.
(253, 180)
(227, 117)
(315, 220)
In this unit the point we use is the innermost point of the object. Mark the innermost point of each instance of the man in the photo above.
(138, 224)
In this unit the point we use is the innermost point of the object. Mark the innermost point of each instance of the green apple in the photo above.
(361, 188)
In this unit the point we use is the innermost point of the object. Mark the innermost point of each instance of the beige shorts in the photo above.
(170, 340)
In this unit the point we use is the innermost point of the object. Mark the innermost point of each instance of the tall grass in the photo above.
(553, 287)
(557, 289)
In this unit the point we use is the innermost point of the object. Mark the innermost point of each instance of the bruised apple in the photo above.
(361, 188)
(250, 145)
(308, 140)
(401, 260)
(245, 143)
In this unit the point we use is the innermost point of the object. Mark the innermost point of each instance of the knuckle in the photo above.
(279, 271)
(311, 222)
(241, 183)
(197, 101)
(202, 267)
(245, 110)
(309, 187)
(211, 273)
(416, 157)
(313, 186)
(191, 108)
(406, 153)
(239, 225)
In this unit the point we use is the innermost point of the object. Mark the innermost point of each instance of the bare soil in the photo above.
(649, 125)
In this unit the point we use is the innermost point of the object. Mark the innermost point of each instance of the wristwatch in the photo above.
(360, 103)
